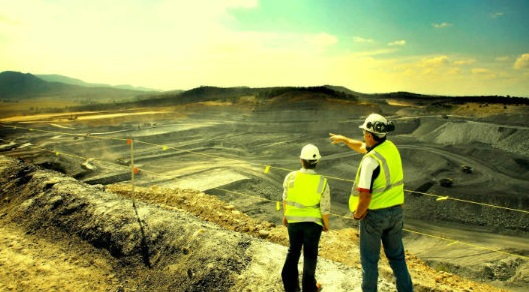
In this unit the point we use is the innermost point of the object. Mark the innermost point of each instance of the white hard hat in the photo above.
(310, 152)
(377, 124)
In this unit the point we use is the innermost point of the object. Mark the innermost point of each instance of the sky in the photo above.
(441, 47)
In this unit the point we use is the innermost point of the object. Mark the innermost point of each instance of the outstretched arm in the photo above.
(356, 145)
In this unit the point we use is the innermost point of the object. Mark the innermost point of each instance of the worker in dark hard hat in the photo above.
(307, 204)
(376, 200)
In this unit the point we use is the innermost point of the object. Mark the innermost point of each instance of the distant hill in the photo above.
(409, 96)
(18, 86)
(232, 94)
(74, 81)
(345, 90)
(23, 86)
(209, 93)
(68, 80)
(316, 97)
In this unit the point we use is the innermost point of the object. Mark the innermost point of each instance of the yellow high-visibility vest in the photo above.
(304, 191)
(388, 187)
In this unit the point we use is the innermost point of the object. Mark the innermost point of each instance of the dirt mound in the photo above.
(180, 245)
(163, 241)
(462, 131)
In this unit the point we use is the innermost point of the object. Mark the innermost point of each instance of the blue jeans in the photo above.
(306, 235)
(384, 225)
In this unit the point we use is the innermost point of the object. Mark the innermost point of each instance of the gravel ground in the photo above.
(173, 236)
(62, 234)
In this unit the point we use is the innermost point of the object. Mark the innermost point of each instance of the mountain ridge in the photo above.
(19, 86)
(75, 81)
(26, 86)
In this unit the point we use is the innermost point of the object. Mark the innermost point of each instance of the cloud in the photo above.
(485, 73)
(468, 61)
(435, 61)
(522, 62)
(369, 54)
(441, 25)
(357, 39)
(179, 44)
(502, 59)
(244, 3)
(5, 19)
(454, 71)
(322, 40)
(481, 71)
(398, 43)
(497, 14)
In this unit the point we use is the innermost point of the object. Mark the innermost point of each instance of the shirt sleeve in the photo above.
(369, 164)
(285, 185)
(325, 203)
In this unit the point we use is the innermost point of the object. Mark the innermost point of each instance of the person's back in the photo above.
(388, 186)
(306, 203)
(304, 190)
(376, 200)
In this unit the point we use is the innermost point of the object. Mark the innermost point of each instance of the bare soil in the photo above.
(60, 234)
(224, 235)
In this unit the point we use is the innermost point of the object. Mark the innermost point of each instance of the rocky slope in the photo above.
(57, 231)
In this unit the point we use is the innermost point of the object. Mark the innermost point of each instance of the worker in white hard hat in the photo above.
(376, 201)
(306, 204)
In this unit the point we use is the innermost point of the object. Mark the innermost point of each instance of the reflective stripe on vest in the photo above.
(304, 193)
(388, 187)
(387, 177)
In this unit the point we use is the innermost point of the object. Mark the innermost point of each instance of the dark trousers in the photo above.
(306, 235)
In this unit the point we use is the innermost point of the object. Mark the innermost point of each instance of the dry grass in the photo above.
(32, 107)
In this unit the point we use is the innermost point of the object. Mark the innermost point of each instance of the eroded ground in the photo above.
(75, 237)
(225, 153)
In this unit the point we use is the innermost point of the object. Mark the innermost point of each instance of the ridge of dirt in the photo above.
(337, 245)
(46, 261)
(170, 247)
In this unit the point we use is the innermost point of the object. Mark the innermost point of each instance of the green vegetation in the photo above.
(498, 99)
(16, 86)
